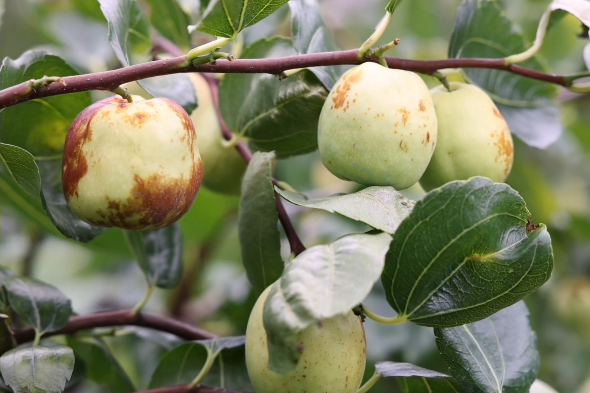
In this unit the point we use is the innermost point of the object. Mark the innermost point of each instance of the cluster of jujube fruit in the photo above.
(138, 166)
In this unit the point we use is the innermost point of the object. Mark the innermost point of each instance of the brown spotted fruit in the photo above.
(473, 137)
(378, 127)
(223, 166)
(333, 355)
(132, 165)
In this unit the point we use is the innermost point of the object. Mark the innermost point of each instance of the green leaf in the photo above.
(406, 370)
(54, 203)
(274, 115)
(101, 365)
(260, 240)
(383, 208)
(2, 6)
(182, 364)
(22, 168)
(171, 21)
(129, 36)
(39, 126)
(159, 254)
(482, 30)
(40, 305)
(320, 283)
(464, 253)
(226, 18)
(430, 385)
(311, 35)
(392, 5)
(37, 369)
(497, 354)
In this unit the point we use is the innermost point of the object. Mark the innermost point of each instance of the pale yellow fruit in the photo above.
(223, 167)
(473, 137)
(131, 165)
(378, 127)
(332, 360)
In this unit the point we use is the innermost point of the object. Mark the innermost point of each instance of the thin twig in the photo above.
(120, 318)
(109, 80)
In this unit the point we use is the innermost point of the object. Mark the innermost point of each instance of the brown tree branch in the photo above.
(120, 318)
(109, 80)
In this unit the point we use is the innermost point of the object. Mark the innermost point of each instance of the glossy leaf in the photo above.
(171, 21)
(22, 168)
(392, 5)
(497, 354)
(382, 208)
(38, 304)
(260, 240)
(130, 38)
(224, 18)
(39, 126)
(406, 370)
(54, 203)
(320, 283)
(159, 254)
(101, 365)
(464, 253)
(527, 104)
(274, 115)
(311, 35)
(430, 385)
(37, 369)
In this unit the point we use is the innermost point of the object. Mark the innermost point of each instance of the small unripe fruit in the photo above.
(132, 165)
(378, 127)
(223, 167)
(332, 360)
(473, 137)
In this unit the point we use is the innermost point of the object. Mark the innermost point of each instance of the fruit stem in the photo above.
(379, 30)
(212, 46)
(211, 356)
(369, 384)
(397, 320)
(287, 73)
(384, 48)
(443, 79)
(148, 294)
(579, 83)
(123, 92)
(37, 339)
(527, 54)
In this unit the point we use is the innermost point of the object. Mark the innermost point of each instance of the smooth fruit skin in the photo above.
(378, 127)
(333, 357)
(473, 137)
(133, 165)
(223, 167)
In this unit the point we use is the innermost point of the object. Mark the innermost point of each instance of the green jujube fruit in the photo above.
(378, 127)
(473, 137)
(332, 360)
(223, 167)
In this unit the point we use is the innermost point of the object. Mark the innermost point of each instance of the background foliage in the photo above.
(214, 292)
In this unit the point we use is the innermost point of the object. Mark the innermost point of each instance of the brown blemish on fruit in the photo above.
(341, 93)
(137, 119)
(497, 113)
(422, 106)
(403, 145)
(74, 164)
(503, 143)
(428, 137)
(405, 114)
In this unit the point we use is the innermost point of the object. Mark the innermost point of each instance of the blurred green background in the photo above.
(214, 292)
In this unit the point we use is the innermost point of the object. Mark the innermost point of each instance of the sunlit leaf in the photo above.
(383, 208)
